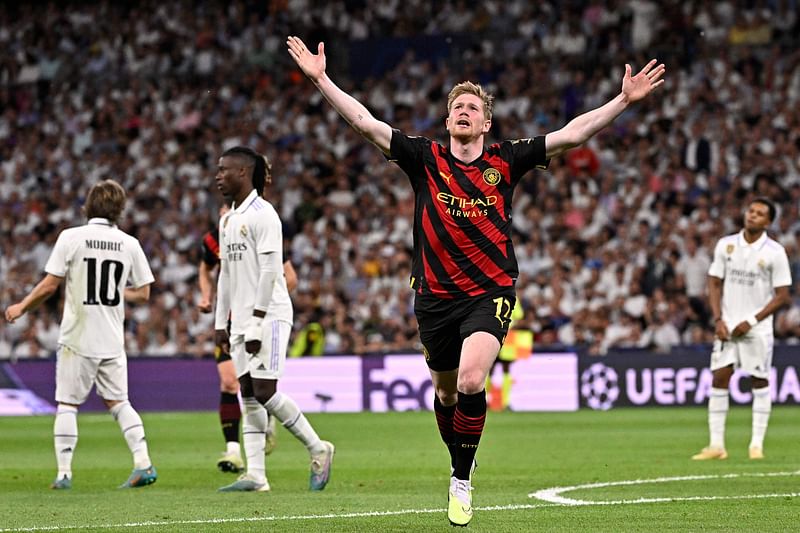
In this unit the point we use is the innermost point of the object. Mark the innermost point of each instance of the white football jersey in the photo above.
(247, 230)
(750, 273)
(96, 259)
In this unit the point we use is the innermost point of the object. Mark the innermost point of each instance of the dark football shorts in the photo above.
(221, 355)
(445, 323)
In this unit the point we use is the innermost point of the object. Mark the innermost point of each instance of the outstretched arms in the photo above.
(313, 65)
(583, 127)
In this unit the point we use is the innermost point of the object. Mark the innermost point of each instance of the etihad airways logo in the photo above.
(459, 206)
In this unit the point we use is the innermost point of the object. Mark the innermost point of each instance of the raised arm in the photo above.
(583, 127)
(313, 65)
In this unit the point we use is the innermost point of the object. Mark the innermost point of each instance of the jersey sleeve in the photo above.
(408, 152)
(141, 274)
(268, 234)
(781, 271)
(717, 268)
(526, 154)
(58, 262)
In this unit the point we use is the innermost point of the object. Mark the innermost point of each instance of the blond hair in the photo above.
(467, 87)
(105, 200)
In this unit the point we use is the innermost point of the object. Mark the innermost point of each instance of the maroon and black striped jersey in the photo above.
(462, 213)
(210, 254)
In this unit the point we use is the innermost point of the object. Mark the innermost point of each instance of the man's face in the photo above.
(466, 118)
(231, 176)
(757, 217)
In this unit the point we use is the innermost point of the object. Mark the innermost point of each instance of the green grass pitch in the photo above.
(391, 474)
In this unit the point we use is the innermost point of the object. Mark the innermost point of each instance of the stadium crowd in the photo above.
(613, 241)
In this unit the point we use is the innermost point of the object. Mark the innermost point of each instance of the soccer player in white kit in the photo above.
(251, 289)
(748, 281)
(97, 260)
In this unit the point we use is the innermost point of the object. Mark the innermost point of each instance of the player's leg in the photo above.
(271, 362)
(254, 425)
(112, 386)
(757, 361)
(477, 355)
(444, 407)
(74, 380)
(230, 413)
(65, 438)
(723, 358)
(441, 345)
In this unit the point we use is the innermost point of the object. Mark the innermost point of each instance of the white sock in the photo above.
(762, 406)
(254, 429)
(233, 447)
(284, 409)
(133, 430)
(717, 412)
(65, 438)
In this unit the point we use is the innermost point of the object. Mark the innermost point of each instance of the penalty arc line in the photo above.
(552, 493)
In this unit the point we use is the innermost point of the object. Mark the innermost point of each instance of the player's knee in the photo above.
(264, 390)
(471, 382)
(447, 396)
(721, 378)
(759, 383)
(229, 384)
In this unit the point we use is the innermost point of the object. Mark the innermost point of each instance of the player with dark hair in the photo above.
(97, 260)
(230, 413)
(464, 269)
(748, 281)
(252, 292)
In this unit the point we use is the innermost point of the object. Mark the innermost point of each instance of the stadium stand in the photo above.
(613, 240)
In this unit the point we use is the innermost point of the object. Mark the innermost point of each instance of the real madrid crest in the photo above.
(492, 176)
(729, 249)
(243, 231)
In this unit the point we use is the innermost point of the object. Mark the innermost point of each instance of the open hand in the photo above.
(312, 65)
(639, 86)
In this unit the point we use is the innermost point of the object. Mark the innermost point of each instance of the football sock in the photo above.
(65, 438)
(288, 413)
(254, 429)
(133, 430)
(444, 419)
(229, 416)
(468, 423)
(718, 404)
(762, 406)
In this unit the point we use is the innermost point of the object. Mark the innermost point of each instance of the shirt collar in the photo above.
(247, 201)
(100, 221)
(758, 243)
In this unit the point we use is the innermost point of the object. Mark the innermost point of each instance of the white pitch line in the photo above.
(550, 496)
(364, 514)
(553, 494)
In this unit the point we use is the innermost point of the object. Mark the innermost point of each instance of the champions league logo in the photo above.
(600, 386)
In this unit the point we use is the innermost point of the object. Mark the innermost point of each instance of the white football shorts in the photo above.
(751, 353)
(270, 361)
(75, 375)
